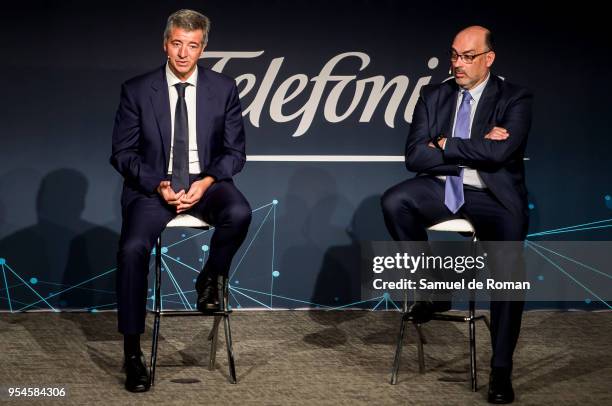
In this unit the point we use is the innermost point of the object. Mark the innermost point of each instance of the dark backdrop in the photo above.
(63, 63)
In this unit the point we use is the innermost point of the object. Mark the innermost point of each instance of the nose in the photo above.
(182, 53)
(458, 63)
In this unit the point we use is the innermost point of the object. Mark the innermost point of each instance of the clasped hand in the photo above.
(182, 200)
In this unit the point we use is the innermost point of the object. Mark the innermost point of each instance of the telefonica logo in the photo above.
(372, 89)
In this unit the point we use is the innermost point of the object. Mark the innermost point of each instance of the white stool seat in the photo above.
(186, 220)
(455, 225)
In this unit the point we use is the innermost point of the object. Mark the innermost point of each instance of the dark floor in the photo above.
(306, 357)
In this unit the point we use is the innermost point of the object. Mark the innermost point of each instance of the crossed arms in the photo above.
(494, 150)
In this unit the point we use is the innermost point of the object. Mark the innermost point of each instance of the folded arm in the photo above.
(491, 151)
(420, 157)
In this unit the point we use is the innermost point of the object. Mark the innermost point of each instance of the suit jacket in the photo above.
(499, 163)
(142, 132)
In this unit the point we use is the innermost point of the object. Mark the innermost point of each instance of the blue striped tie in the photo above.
(453, 189)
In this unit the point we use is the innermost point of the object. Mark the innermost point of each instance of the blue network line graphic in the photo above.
(574, 228)
(593, 225)
(174, 293)
(558, 267)
(31, 288)
(590, 268)
(252, 240)
(235, 291)
(275, 273)
(8, 295)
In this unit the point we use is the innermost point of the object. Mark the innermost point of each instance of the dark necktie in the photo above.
(180, 149)
(453, 192)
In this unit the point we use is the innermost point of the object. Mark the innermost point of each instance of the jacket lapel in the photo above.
(447, 104)
(161, 106)
(204, 116)
(485, 108)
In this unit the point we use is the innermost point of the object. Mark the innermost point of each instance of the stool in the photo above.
(185, 220)
(459, 226)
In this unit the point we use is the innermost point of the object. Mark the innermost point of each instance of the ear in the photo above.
(490, 57)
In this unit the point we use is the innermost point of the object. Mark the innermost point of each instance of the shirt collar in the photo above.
(477, 91)
(173, 80)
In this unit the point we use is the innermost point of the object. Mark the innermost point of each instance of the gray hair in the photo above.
(188, 20)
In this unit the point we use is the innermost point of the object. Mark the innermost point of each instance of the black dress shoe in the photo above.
(208, 293)
(422, 311)
(136, 373)
(500, 386)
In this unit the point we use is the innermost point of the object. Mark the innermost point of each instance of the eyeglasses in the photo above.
(466, 58)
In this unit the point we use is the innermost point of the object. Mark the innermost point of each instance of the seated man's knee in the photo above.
(391, 202)
(238, 215)
(132, 248)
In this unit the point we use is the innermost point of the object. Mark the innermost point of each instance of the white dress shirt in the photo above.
(470, 176)
(190, 99)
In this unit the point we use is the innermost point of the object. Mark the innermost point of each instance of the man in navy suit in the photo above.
(466, 143)
(178, 140)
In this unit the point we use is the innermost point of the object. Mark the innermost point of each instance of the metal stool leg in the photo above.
(213, 338)
(420, 352)
(223, 286)
(472, 324)
(157, 310)
(230, 350)
(486, 322)
(421, 335)
(472, 327)
(398, 352)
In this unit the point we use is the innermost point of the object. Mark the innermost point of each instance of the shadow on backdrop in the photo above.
(60, 250)
(339, 277)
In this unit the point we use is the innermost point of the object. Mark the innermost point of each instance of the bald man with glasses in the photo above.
(466, 143)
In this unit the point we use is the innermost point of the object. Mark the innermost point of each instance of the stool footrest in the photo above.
(450, 317)
(170, 313)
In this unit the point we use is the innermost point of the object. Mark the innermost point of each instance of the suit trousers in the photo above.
(222, 206)
(412, 206)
